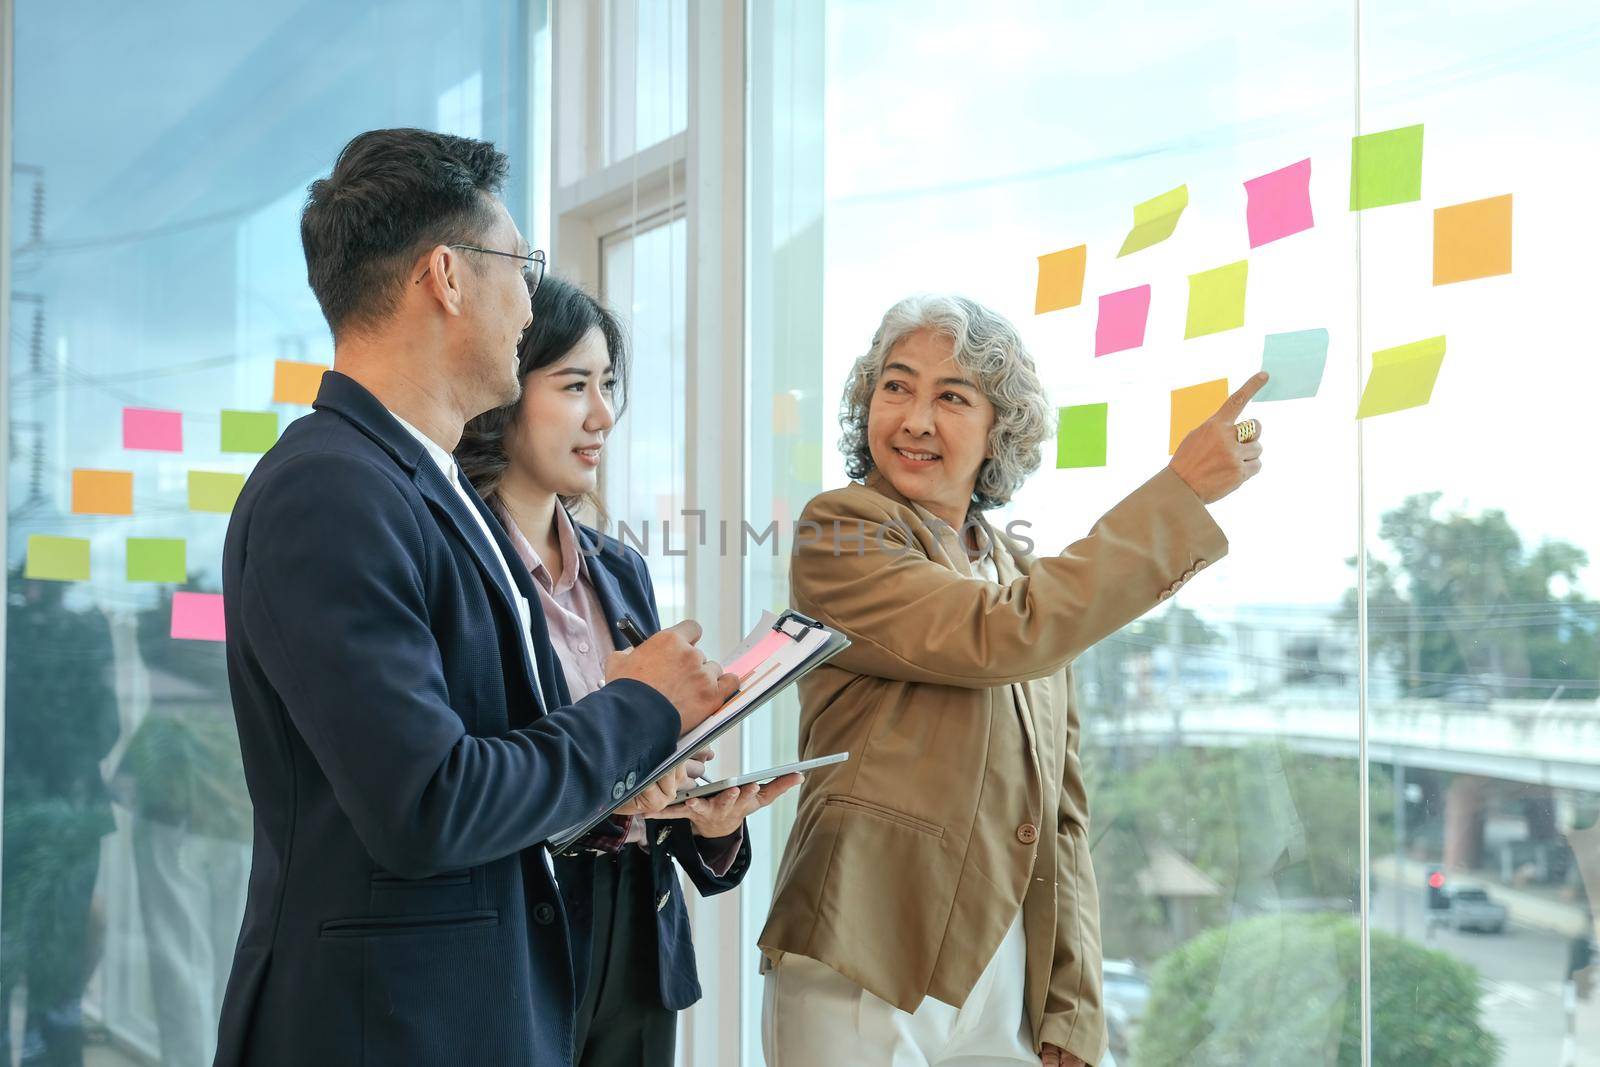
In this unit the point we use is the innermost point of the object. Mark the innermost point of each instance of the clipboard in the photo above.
(776, 653)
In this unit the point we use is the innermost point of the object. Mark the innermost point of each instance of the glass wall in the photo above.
(1419, 580)
(163, 336)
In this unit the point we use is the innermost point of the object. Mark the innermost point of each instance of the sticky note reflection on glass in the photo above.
(1193, 405)
(1402, 377)
(1060, 280)
(157, 559)
(1386, 168)
(57, 559)
(1155, 219)
(1122, 320)
(1472, 240)
(1081, 436)
(197, 617)
(249, 431)
(296, 383)
(214, 490)
(148, 430)
(1216, 299)
(102, 492)
(1295, 362)
(1279, 204)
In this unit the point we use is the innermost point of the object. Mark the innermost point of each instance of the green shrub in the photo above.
(1286, 989)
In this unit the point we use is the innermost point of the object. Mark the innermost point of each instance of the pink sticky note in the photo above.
(197, 617)
(758, 653)
(1122, 318)
(1279, 203)
(152, 431)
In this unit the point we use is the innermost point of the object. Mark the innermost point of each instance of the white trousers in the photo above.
(812, 1016)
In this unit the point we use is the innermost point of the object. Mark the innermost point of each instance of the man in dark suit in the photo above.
(395, 694)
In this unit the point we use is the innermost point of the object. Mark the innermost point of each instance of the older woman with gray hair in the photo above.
(936, 903)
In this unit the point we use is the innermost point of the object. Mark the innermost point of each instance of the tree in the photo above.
(1287, 989)
(1461, 606)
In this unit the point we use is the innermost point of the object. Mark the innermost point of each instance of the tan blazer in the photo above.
(963, 798)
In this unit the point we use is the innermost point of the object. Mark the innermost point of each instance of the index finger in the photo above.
(1234, 406)
(688, 629)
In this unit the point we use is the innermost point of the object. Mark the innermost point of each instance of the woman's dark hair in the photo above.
(392, 194)
(563, 314)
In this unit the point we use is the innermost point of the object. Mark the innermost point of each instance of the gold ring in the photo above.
(1247, 431)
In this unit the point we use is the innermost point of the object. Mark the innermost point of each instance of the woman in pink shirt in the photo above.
(532, 462)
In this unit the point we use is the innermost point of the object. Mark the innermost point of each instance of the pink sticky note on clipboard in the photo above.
(758, 653)
(197, 617)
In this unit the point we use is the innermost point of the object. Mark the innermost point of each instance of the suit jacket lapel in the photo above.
(606, 591)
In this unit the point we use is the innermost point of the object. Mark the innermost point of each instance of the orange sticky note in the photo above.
(1472, 240)
(102, 492)
(1060, 280)
(1193, 405)
(296, 383)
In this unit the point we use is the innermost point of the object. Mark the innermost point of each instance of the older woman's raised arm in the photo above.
(913, 619)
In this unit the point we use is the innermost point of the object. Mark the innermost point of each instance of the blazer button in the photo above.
(617, 791)
(1027, 833)
(633, 779)
(544, 914)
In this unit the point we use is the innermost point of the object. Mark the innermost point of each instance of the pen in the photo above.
(630, 631)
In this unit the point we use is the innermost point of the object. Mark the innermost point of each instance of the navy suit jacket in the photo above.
(403, 765)
(622, 585)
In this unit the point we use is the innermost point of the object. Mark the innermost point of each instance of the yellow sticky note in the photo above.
(1216, 299)
(214, 490)
(1155, 219)
(296, 383)
(57, 559)
(102, 492)
(1472, 240)
(1193, 405)
(785, 413)
(1060, 280)
(1402, 377)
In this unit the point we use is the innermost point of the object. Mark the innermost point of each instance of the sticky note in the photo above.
(197, 617)
(102, 492)
(1193, 405)
(1278, 204)
(785, 413)
(1081, 436)
(1402, 377)
(1155, 219)
(249, 431)
(1472, 240)
(1122, 320)
(1386, 168)
(214, 490)
(1060, 280)
(149, 430)
(296, 383)
(1295, 362)
(157, 559)
(57, 559)
(1216, 299)
(805, 461)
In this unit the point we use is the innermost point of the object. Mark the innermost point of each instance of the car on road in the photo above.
(1127, 992)
(1470, 908)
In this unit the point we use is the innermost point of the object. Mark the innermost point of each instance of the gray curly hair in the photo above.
(988, 348)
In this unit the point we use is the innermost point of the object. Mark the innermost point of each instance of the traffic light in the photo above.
(1437, 899)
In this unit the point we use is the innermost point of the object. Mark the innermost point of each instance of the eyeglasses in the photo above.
(532, 265)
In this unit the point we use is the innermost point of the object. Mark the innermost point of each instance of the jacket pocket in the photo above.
(385, 880)
(867, 807)
(398, 925)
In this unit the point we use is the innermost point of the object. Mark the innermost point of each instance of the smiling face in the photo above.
(564, 418)
(928, 425)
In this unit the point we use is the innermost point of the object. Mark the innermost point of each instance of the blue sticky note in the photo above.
(1295, 362)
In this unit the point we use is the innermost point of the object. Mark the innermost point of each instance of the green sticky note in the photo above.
(1295, 362)
(1081, 436)
(1216, 299)
(57, 559)
(214, 491)
(1402, 377)
(1386, 168)
(157, 559)
(249, 431)
(805, 461)
(1155, 219)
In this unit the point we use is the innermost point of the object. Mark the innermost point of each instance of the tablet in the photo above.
(760, 776)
